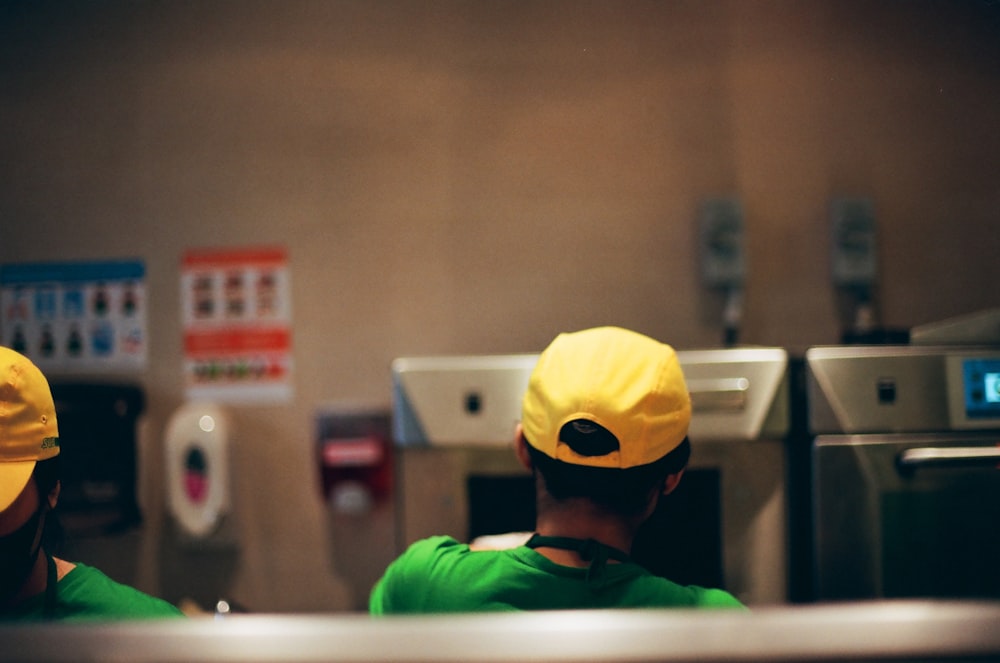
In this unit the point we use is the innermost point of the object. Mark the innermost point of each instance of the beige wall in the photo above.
(472, 177)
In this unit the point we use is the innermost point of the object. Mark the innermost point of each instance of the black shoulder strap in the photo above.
(51, 588)
(589, 550)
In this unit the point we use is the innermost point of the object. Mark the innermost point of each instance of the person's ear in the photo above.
(521, 448)
(53, 495)
(671, 482)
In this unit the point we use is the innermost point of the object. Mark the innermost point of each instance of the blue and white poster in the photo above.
(76, 316)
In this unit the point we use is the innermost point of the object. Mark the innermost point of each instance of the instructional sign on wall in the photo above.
(76, 316)
(237, 324)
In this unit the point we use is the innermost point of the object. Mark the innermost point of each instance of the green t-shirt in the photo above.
(85, 593)
(439, 574)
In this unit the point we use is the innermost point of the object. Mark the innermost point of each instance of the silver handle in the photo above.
(720, 394)
(958, 457)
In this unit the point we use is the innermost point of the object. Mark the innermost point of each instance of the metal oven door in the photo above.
(907, 515)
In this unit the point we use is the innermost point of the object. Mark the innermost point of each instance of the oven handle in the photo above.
(722, 394)
(911, 460)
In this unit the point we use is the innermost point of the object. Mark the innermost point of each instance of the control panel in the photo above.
(973, 384)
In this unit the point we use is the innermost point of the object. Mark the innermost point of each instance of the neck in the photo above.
(579, 518)
(35, 582)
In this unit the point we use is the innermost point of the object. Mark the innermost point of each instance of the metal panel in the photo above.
(737, 394)
(898, 631)
(876, 389)
(889, 528)
(459, 401)
(889, 389)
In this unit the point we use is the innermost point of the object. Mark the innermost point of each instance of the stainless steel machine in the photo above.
(726, 525)
(906, 452)
(890, 631)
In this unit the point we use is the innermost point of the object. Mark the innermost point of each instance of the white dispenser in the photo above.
(197, 455)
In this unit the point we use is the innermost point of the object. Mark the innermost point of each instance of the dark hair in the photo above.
(622, 491)
(47, 475)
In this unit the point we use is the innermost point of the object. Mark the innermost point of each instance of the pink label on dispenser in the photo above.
(195, 475)
(195, 486)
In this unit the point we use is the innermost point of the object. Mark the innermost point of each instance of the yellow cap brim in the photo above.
(14, 477)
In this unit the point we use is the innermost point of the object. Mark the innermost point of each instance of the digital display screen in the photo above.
(981, 380)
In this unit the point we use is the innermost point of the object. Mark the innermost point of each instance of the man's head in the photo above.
(607, 411)
(28, 429)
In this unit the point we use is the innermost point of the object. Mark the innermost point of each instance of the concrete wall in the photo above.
(473, 177)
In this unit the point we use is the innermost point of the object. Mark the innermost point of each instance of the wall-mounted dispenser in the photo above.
(723, 266)
(854, 272)
(355, 463)
(354, 458)
(198, 476)
(852, 230)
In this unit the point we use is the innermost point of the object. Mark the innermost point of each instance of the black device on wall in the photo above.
(97, 435)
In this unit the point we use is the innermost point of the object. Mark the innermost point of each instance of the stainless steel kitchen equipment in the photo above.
(905, 465)
(896, 631)
(726, 525)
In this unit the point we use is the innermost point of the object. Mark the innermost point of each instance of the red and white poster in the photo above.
(237, 324)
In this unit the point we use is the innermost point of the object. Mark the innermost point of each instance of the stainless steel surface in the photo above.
(885, 389)
(982, 456)
(906, 488)
(844, 383)
(979, 328)
(754, 516)
(901, 467)
(740, 405)
(736, 394)
(458, 401)
(878, 631)
(895, 517)
(432, 490)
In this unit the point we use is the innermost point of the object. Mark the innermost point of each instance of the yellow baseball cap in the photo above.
(28, 429)
(625, 382)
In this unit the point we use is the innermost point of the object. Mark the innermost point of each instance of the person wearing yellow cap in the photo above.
(604, 425)
(34, 585)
